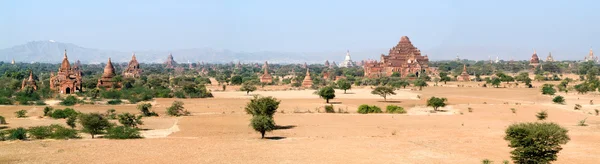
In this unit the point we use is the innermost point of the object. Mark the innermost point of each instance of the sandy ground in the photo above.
(218, 131)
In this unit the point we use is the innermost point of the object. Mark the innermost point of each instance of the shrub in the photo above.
(248, 87)
(577, 107)
(262, 124)
(69, 101)
(470, 110)
(548, 89)
(17, 134)
(2, 120)
(542, 115)
(145, 109)
(130, 120)
(114, 102)
(111, 114)
(5, 101)
(122, 132)
(366, 109)
(48, 110)
(21, 113)
(394, 109)
(329, 109)
(53, 131)
(582, 122)
(487, 161)
(597, 111)
(559, 100)
(71, 121)
(94, 123)
(436, 102)
(64, 113)
(535, 142)
(513, 110)
(177, 109)
(40, 102)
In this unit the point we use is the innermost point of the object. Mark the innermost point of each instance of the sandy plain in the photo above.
(218, 130)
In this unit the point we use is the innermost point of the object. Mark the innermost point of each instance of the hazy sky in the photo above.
(474, 29)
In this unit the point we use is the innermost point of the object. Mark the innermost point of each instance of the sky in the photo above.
(443, 29)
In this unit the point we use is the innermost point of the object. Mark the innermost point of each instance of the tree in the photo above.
(177, 109)
(262, 110)
(71, 121)
(145, 109)
(383, 92)
(420, 83)
(535, 142)
(248, 88)
(262, 106)
(542, 115)
(94, 123)
(130, 120)
(236, 80)
(326, 93)
(436, 102)
(444, 77)
(343, 84)
(559, 100)
(496, 82)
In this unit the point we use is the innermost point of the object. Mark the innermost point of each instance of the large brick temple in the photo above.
(404, 58)
(68, 79)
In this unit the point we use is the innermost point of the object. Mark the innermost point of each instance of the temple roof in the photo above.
(65, 65)
(109, 70)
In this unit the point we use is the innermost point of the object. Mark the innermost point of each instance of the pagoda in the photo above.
(464, 76)
(266, 77)
(550, 58)
(133, 68)
(30, 82)
(347, 61)
(106, 80)
(403, 58)
(66, 80)
(307, 82)
(170, 63)
(534, 61)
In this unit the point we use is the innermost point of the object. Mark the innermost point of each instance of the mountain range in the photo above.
(51, 51)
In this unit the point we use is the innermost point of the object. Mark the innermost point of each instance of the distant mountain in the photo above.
(52, 52)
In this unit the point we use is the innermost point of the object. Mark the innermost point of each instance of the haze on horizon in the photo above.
(441, 29)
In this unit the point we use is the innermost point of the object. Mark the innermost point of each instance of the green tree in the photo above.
(383, 92)
(343, 84)
(130, 120)
(145, 109)
(248, 87)
(444, 77)
(548, 89)
(559, 100)
(436, 102)
(262, 110)
(326, 93)
(177, 109)
(236, 80)
(71, 121)
(262, 124)
(420, 83)
(535, 142)
(94, 123)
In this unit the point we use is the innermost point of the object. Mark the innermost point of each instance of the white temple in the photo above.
(347, 61)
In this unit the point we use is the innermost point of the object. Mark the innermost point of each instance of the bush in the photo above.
(548, 89)
(64, 113)
(513, 110)
(597, 111)
(21, 113)
(542, 115)
(69, 101)
(470, 110)
(130, 120)
(17, 134)
(559, 100)
(94, 123)
(436, 102)
(577, 107)
(177, 109)
(2, 120)
(535, 142)
(5, 101)
(122, 132)
(40, 102)
(262, 124)
(326, 93)
(53, 131)
(111, 114)
(48, 110)
(329, 109)
(394, 109)
(71, 121)
(487, 161)
(114, 102)
(145, 109)
(582, 122)
(366, 109)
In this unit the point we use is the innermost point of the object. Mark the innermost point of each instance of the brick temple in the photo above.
(67, 80)
(403, 58)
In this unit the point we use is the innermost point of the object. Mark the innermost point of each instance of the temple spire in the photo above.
(30, 75)
(65, 54)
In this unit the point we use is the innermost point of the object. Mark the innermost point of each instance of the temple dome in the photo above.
(109, 70)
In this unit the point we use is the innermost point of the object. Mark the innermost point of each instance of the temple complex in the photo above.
(404, 58)
(170, 63)
(266, 77)
(307, 82)
(106, 80)
(464, 76)
(534, 61)
(30, 82)
(591, 57)
(66, 80)
(347, 61)
(550, 58)
(133, 68)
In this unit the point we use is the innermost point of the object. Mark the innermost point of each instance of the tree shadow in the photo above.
(275, 138)
(284, 127)
(335, 102)
(349, 93)
(390, 101)
(3, 127)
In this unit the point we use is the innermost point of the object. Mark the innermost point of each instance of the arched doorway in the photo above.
(68, 90)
